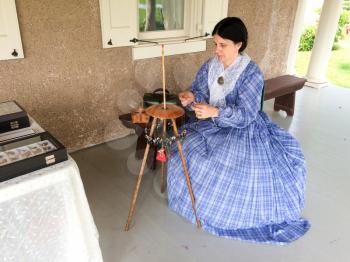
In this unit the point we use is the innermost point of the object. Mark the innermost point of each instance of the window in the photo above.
(163, 17)
(170, 22)
(10, 38)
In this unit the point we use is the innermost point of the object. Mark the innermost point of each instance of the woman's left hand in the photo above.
(205, 111)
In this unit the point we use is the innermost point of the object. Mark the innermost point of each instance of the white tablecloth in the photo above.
(45, 216)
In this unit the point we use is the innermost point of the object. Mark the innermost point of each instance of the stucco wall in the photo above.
(270, 26)
(76, 90)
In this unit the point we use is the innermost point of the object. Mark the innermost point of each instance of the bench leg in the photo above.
(285, 103)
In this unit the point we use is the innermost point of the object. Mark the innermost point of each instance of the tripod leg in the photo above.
(138, 183)
(162, 183)
(179, 146)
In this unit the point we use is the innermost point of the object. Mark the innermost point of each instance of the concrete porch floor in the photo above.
(321, 124)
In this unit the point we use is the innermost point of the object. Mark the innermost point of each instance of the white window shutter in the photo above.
(118, 22)
(10, 37)
(213, 12)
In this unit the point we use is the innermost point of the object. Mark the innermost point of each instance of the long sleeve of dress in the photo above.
(199, 87)
(245, 109)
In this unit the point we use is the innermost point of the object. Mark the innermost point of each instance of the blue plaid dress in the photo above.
(247, 174)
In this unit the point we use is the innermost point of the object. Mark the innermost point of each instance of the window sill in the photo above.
(173, 48)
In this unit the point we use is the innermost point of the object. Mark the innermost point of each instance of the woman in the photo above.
(247, 174)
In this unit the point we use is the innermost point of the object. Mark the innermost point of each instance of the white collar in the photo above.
(230, 75)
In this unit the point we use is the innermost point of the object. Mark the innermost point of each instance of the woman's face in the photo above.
(226, 50)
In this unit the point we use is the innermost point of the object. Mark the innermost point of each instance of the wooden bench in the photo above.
(283, 89)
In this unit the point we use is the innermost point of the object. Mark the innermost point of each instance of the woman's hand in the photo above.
(186, 98)
(204, 111)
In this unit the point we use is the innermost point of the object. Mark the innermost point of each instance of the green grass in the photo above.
(338, 71)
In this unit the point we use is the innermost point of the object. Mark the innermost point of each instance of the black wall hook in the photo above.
(110, 42)
(14, 53)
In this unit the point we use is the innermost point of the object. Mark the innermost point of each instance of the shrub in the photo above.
(307, 38)
(344, 18)
(335, 46)
(343, 21)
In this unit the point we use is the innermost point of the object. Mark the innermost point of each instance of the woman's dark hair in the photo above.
(234, 29)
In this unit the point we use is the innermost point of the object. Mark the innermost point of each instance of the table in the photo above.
(139, 131)
(45, 216)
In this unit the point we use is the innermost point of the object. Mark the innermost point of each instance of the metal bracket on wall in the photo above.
(135, 40)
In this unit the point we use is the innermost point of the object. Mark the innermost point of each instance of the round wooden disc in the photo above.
(170, 112)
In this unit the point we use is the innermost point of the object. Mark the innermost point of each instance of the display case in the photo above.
(12, 117)
(21, 156)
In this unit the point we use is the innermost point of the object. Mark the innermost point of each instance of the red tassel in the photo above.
(161, 155)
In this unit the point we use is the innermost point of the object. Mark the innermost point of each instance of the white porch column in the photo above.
(321, 51)
(297, 30)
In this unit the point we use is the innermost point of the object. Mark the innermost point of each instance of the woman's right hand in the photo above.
(186, 98)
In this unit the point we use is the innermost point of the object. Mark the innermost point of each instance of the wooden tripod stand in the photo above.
(163, 113)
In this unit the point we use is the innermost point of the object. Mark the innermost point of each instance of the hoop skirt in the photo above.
(247, 174)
